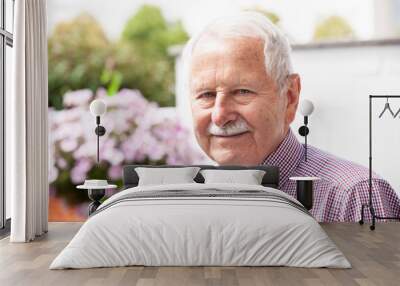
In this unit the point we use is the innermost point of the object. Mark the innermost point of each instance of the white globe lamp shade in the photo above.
(306, 107)
(98, 107)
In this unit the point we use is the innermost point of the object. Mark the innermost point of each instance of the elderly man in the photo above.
(244, 96)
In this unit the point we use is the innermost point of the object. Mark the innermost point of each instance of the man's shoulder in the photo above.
(336, 170)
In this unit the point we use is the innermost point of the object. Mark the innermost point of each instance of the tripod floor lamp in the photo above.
(369, 205)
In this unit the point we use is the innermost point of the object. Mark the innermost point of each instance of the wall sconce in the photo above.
(98, 108)
(306, 108)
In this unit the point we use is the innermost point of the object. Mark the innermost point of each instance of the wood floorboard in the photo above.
(374, 255)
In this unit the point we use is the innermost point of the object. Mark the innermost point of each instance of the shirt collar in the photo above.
(287, 157)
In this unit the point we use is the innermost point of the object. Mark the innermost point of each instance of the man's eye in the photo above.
(243, 91)
(207, 94)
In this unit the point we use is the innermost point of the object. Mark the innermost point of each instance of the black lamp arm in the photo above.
(303, 131)
(100, 131)
(305, 120)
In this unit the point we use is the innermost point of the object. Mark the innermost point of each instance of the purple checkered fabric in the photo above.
(343, 187)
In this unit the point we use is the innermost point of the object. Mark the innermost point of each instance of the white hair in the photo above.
(248, 24)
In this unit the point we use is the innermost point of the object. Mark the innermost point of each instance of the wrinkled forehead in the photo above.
(232, 60)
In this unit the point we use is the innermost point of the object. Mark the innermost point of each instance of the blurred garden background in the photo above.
(128, 54)
(135, 77)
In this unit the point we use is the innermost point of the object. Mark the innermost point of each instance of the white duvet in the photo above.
(183, 231)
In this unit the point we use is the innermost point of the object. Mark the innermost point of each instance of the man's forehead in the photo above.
(228, 77)
(233, 60)
(199, 78)
(240, 47)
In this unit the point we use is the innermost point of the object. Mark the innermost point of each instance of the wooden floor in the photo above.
(375, 257)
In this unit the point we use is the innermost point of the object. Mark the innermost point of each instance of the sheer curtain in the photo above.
(27, 123)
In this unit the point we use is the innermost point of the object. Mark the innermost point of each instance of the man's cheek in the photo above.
(201, 127)
(201, 118)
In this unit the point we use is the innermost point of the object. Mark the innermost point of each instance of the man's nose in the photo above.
(223, 111)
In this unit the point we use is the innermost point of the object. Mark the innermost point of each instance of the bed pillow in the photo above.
(249, 177)
(162, 176)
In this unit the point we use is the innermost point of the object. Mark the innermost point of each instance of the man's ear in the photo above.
(292, 95)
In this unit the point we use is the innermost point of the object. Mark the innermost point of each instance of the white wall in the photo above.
(339, 80)
(387, 18)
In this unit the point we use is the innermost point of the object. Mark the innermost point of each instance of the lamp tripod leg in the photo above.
(371, 209)
(361, 221)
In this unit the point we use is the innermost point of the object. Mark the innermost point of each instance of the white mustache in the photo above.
(237, 127)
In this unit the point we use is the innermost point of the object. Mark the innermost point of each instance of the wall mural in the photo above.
(134, 63)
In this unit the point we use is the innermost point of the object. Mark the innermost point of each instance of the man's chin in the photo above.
(231, 150)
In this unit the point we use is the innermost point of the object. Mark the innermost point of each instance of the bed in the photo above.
(201, 224)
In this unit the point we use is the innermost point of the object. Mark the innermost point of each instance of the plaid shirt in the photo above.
(343, 187)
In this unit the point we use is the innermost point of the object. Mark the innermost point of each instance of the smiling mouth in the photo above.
(231, 136)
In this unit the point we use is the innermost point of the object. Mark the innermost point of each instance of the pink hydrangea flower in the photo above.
(137, 130)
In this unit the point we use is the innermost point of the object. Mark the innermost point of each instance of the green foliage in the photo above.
(176, 34)
(146, 30)
(149, 36)
(77, 50)
(153, 74)
(333, 28)
(81, 56)
(112, 79)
